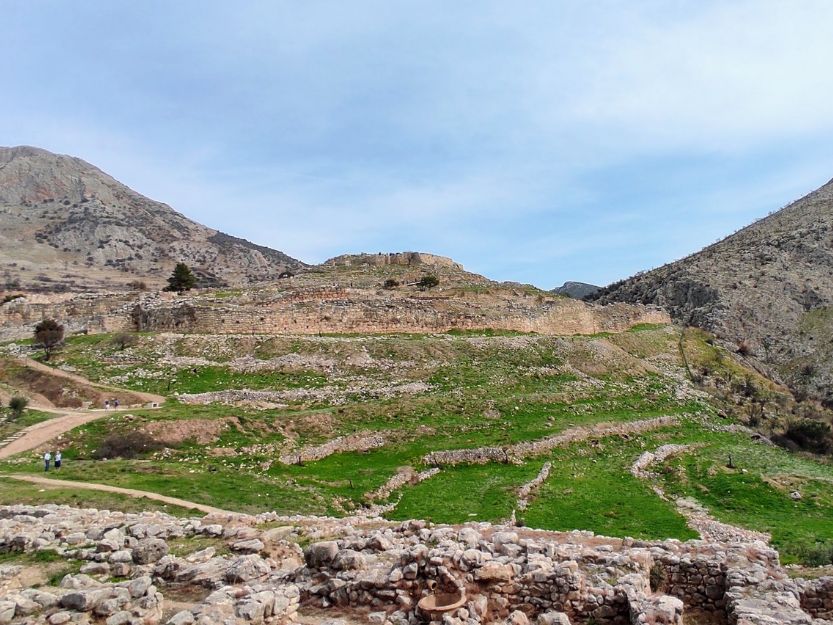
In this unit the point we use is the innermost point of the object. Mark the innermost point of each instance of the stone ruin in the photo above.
(253, 570)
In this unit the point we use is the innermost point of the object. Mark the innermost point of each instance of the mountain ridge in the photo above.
(76, 227)
(767, 288)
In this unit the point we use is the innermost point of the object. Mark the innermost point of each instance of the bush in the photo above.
(126, 445)
(124, 339)
(390, 283)
(811, 435)
(428, 282)
(816, 554)
(139, 285)
(17, 405)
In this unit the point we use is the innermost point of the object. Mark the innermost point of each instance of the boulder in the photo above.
(149, 550)
(247, 568)
(321, 554)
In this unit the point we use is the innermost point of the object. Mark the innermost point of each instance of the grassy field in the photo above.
(468, 389)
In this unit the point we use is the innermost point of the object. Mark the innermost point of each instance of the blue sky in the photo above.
(531, 141)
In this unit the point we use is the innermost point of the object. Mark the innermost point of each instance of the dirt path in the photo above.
(39, 366)
(36, 435)
(118, 490)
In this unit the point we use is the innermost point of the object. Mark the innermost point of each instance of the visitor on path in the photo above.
(58, 459)
(47, 458)
(106, 404)
(116, 404)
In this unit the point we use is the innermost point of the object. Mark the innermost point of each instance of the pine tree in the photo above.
(182, 279)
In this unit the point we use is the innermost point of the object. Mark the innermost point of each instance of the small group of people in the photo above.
(47, 460)
(111, 402)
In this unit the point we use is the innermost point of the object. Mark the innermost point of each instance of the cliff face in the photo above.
(66, 225)
(768, 289)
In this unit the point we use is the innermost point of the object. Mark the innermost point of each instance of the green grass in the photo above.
(29, 417)
(590, 487)
(466, 493)
(18, 492)
(756, 494)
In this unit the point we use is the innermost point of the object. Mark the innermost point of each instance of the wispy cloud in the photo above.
(539, 142)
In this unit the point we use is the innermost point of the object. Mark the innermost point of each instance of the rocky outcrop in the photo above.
(766, 288)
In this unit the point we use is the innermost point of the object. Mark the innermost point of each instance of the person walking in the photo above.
(116, 403)
(58, 459)
(47, 458)
(106, 404)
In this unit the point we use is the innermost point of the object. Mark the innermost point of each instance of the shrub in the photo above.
(810, 434)
(126, 445)
(17, 405)
(390, 283)
(138, 285)
(124, 339)
(428, 282)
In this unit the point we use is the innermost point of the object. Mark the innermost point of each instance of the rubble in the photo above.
(382, 573)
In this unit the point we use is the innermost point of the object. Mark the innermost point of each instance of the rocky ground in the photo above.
(153, 568)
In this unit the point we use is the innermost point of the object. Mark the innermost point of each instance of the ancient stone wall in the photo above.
(817, 598)
(316, 310)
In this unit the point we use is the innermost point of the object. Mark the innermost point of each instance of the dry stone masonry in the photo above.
(138, 569)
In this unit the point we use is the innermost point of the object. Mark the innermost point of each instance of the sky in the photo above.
(531, 141)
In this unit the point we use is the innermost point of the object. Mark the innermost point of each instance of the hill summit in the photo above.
(767, 288)
(67, 225)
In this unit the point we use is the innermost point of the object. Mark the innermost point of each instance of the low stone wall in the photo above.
(817, 598)
(519, 451)
(351, 442)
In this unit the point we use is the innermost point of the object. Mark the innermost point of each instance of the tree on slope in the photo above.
(49, 334)
(182, 279)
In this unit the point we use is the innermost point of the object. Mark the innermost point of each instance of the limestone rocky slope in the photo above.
(66, 225)
(768, 289)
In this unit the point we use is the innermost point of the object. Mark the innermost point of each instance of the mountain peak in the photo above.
(69, 225)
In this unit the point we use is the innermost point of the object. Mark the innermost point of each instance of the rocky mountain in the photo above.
(66, 225)
(767, 289)
(576, 290)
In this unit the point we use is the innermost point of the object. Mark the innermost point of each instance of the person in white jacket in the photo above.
(47, 458)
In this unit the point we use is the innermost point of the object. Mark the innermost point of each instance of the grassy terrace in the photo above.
(484, 388)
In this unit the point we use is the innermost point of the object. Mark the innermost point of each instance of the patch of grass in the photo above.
(18, 492)
(756, 493)
(466, 493)
(590, 487)
(185, 546)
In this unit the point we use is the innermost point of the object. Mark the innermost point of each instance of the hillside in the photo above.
(66, 225)
(768, 290)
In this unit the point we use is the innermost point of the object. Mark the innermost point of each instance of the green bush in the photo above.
(811, 435)
(17, 405)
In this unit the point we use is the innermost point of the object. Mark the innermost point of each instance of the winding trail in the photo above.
(36, 435)
(74, 377)
(130, 492)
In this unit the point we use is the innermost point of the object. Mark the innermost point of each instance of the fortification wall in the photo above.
(322, 310)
